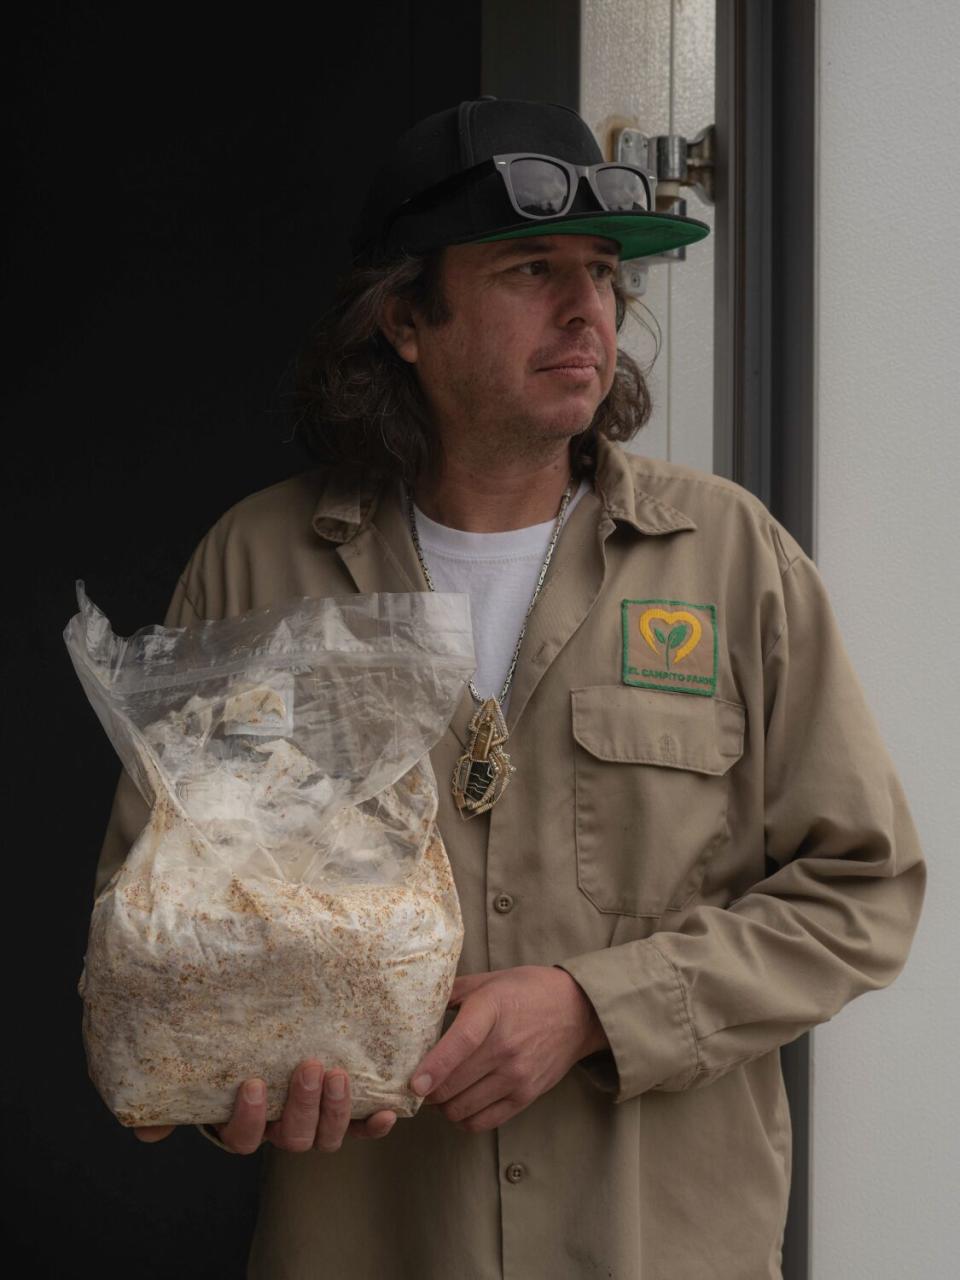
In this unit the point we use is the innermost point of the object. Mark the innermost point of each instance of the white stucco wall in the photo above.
(886, 1110)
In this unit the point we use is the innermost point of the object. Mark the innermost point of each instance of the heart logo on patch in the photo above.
(683, 638)
(676, 639)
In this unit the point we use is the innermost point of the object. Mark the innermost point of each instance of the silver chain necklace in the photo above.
(484, 769)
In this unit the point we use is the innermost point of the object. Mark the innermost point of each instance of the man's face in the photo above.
(530, 349)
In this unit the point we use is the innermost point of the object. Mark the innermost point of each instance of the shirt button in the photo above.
(503, 903)
(515, 1172)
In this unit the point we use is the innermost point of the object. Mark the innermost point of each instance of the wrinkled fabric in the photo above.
(721, 863)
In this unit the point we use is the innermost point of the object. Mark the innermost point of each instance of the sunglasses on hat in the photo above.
(540, 186)
(544, 187)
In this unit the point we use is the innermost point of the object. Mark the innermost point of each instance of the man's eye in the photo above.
(605, 270)
(534, 268)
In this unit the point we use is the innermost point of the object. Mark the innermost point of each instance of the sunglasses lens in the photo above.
(539, 187)
(623, 190)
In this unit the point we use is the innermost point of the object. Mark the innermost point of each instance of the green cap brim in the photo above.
(638, 234)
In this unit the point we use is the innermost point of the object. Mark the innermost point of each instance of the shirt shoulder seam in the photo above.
(189, 600)
(784, 572)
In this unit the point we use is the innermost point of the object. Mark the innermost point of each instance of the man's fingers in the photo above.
(334, 1112)
(243, 1132)
(154, 1132)
(297, 1126)
(490, 1117)
(472, 1025)
(485, 1093)
(376, 1126)
(477, 1067)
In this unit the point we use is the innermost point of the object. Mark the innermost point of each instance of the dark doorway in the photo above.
(184, 181)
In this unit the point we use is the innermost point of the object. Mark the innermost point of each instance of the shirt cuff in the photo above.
(643, 1008)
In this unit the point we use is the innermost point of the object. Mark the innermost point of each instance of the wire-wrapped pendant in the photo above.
(483, 771)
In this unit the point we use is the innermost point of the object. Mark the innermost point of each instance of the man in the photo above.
(677, 838)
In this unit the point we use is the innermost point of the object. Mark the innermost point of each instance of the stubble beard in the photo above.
(512, 440)
(485, 438)
(487, 426)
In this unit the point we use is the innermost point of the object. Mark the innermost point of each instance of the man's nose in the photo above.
(579, 298)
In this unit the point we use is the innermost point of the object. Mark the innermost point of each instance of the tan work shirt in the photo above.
(682, 712)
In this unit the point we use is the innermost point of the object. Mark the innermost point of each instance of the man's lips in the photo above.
(579, 371)
(570, 362)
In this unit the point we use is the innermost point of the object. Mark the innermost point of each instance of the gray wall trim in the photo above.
(796, 1063)
(764, 432)
(531, 49)
(764, 421)
(793, 268)
(742, 250)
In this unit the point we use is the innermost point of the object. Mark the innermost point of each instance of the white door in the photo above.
(650, 65)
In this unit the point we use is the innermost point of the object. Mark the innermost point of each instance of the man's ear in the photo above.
(398, 324)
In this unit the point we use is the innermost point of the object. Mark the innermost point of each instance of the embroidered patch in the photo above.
(670, 645)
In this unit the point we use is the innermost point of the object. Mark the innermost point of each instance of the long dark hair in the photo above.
(358, 406)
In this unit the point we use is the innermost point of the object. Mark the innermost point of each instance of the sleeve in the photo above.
(834, 920)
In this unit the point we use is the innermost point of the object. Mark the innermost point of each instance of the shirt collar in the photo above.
(345, 507)
(625, 499)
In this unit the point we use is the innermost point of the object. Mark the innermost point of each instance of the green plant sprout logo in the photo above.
(679, 637)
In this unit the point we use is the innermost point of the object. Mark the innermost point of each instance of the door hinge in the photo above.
(672, 161)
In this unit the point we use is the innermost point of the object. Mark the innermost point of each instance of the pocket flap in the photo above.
(643, 726)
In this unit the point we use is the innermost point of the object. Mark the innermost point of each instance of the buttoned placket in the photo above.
(573, 583)
(381, 557)
(572, 588)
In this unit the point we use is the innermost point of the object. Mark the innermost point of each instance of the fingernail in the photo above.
(255, 1092)
(311, 1078)
(336, 1087)
(422, 1084)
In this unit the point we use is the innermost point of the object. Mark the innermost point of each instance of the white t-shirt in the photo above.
(499, 572)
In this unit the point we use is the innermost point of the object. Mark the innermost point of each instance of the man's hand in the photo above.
(315, 1115)
(518, 1032)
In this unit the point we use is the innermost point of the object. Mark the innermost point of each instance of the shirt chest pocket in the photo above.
(651, 793)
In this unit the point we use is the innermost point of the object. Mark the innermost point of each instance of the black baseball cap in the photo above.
(435, 188)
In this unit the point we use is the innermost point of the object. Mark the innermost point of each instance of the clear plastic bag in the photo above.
(290, 896)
